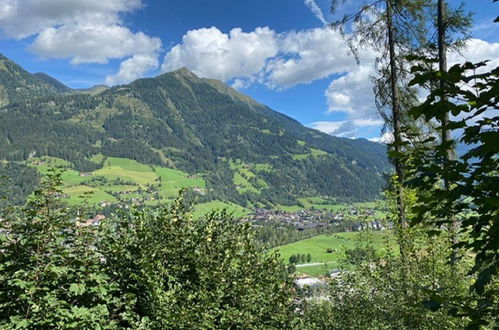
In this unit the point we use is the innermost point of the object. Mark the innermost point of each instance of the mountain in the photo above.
(246, 152)
(17, 84)
(53, 82)
(96, 89)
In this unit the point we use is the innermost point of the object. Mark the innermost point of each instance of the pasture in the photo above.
(319, 246)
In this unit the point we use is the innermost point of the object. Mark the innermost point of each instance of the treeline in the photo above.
(17, 182)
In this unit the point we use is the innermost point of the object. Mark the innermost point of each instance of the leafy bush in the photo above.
(141, 268)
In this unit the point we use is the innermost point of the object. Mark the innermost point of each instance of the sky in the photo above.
(279, 52)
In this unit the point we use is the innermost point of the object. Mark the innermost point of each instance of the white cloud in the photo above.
(132, 69)
(22, 18)
(277, 60)
(353, 93)
(346, 128)
(83, 31)
(316, 10)
(310, 55)
(386, 137)
(93, 43)
(211, 53)
(477, 50)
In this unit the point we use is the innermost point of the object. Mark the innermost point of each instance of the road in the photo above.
(310, 264)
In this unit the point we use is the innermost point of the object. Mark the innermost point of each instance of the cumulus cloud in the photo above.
(307, 56)
(22, 18)
(264, 56)
(346, 128)
(132, 69)
(92, 43)
(386, 137)
(316, 10)
(476, 50)
(83, 31)
(353, 92)
(211, 53)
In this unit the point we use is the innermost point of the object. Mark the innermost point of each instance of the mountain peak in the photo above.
(52, 81)
(185, 73)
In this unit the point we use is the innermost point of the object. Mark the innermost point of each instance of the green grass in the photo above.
(127, 169)
(172, 181)
(243, 172)
(313, 153)
(300, 156)
(317, 270)
(96, 196)
(371, 205)
(317, 247)
(289, 208)
(312, 202)
(243, 185)
(317, 152)
(118, 188)
(204, 208)
(263, 167)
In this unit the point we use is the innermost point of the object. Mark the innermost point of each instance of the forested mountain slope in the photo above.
(200, 126)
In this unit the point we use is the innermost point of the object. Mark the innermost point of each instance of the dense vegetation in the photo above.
(16, 182)
(141, 268)
(200, 126)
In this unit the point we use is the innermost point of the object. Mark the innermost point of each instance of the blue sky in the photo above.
(276, 51)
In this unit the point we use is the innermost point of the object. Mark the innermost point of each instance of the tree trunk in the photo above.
(395, 115)
(450, 153)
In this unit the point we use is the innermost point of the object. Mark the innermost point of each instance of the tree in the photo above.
(383, 26)
(309, 258)
(142, 268)
(50, 274)
(443, 24)
(178, 272)
(472, 101)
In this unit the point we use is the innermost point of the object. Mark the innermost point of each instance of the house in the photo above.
(95, 221)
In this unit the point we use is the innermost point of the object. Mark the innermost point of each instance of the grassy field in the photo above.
(203, 208)
(96, 195)
(244, 172)
(133, 175)
(174, 180)
(120, 178)
(314, 203)
(317, 247)
(128, 170)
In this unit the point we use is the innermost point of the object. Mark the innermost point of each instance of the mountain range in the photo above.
(245, 152)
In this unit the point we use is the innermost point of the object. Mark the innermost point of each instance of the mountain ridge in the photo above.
(197, 125)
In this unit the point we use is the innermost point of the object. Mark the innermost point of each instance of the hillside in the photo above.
(53, 82)
(16, 84)
(245, 152)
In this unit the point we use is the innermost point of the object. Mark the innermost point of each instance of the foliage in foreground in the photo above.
(471, 198)
(388, 292)
(142, 268)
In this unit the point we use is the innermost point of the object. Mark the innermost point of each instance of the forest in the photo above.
(161, 268)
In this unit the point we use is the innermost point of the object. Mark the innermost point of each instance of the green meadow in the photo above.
(119, 176)
(318, 248)
(204, 208)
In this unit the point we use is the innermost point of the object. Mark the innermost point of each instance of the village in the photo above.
(346, 219)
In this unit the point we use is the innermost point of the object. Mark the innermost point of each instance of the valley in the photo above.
(159, 135)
